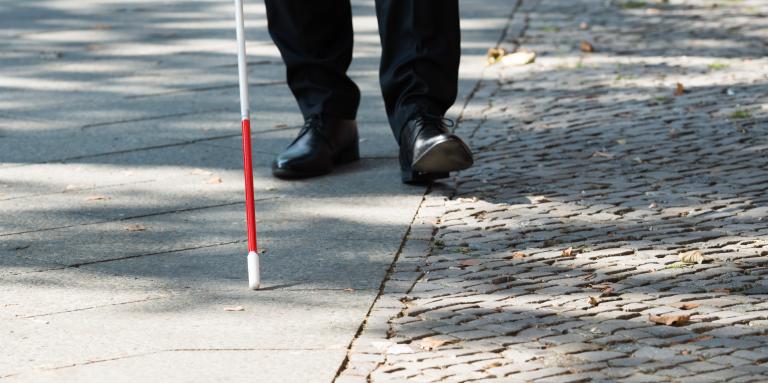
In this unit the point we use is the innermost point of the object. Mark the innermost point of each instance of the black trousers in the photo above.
(419, 63)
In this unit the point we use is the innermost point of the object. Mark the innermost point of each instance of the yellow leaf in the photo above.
(494, 55)
(679, 89)
(586, 47)
(136, 228)
(519, 58)
(694, 256)
(430, 343)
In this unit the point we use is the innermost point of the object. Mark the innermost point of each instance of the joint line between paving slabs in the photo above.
(405, 240)
(479, 82)
(390, 270)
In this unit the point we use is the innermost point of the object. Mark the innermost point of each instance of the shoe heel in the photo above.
(416, 178)
(347, 155)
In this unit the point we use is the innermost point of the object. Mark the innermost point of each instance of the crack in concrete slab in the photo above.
(204, 89)
(150, 118)
(167, 212)
(75, 190)
(172, 350)
(92, 307)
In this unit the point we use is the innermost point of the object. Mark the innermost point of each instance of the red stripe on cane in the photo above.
(250, 210)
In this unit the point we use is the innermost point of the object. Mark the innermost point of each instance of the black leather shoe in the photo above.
(322, 143)
(429, 151)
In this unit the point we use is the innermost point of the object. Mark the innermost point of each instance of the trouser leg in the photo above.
(421, 44)
(315, 40)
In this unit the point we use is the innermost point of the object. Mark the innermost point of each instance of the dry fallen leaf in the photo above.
(568, 252)
(215, 180)
(469, 262)
(694, 256)
(136, 228)
(430, 343)
(594, 301)
(97, 198)
(621, 141)
(586, 47)
(200, 172)
(381, 345)
(688, 306)
(235, 308)
(495, 55)
(721, 290)
(699, 339)
(606, 290)
(518, 255)
(679, 89)
(519, 58)
(349, 290)
(602, 154)
(670, 320)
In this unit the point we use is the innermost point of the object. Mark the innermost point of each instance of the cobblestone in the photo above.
(593, 174)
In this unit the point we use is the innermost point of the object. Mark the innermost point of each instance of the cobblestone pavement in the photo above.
(595, 172)
(122, 241)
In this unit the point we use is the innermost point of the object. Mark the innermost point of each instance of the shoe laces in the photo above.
(313, 122)
(431, 123)
(433, 119)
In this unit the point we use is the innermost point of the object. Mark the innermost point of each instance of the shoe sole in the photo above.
(344, 157)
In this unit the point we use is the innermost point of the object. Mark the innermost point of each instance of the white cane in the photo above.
(254, 279)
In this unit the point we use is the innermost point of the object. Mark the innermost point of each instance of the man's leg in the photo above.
(315, 40)
(419, 74)
(421, 44)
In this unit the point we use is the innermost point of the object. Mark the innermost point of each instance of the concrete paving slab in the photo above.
(282, 366)
(185, 321)
(136, 102)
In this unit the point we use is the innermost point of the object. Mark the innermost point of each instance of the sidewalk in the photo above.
(595, 171)
(122, 254)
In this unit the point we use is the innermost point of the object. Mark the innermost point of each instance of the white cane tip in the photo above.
(254, 277)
